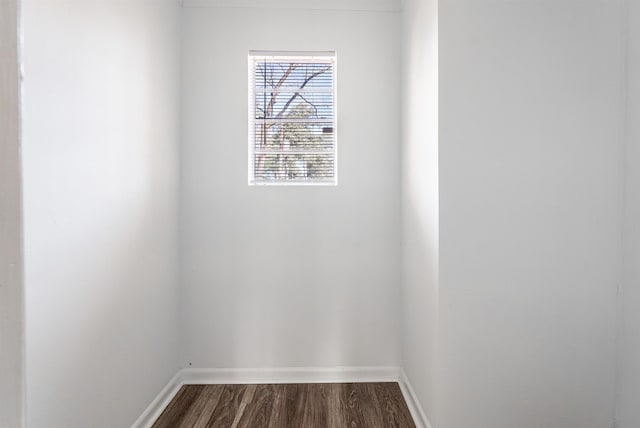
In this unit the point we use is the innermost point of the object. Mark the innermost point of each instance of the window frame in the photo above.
(293, 56)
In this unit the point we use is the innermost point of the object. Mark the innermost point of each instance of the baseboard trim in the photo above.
(419, 416)
(202, 376)
(291, 375)
(157, 406)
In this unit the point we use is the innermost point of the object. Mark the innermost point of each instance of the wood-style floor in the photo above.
(318, 405)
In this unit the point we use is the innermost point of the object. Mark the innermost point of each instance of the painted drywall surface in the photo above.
(531, 120)
(629, 391)
(11, 290)
(420, 200)
(101, 96)
(289, 276)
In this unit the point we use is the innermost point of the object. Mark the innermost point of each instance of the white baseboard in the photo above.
(419, 416)
(201, 376)
(157, 406)
(291, 375)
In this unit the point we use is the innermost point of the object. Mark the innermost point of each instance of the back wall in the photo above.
(289, 276)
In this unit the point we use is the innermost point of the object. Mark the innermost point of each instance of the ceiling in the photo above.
(360, 5)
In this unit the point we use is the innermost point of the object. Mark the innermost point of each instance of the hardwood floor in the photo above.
(334, 405)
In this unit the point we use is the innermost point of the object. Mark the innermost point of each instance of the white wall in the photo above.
(531, 120)
(629, 392)
(11, 286)
(420, 200)
(289, 276)
(101, 95)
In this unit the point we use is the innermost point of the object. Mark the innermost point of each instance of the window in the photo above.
(292, 118)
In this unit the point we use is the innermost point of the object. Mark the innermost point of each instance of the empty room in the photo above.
(320, 213)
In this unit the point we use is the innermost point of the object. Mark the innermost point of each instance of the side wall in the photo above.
(101, 116)
(531, 120)
(629, 394)
(11, 286)
(290, 276)
(420, 200)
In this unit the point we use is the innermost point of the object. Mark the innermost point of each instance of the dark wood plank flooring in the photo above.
(332, 405)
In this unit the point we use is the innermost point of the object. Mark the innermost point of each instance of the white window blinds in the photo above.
(292, 118)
